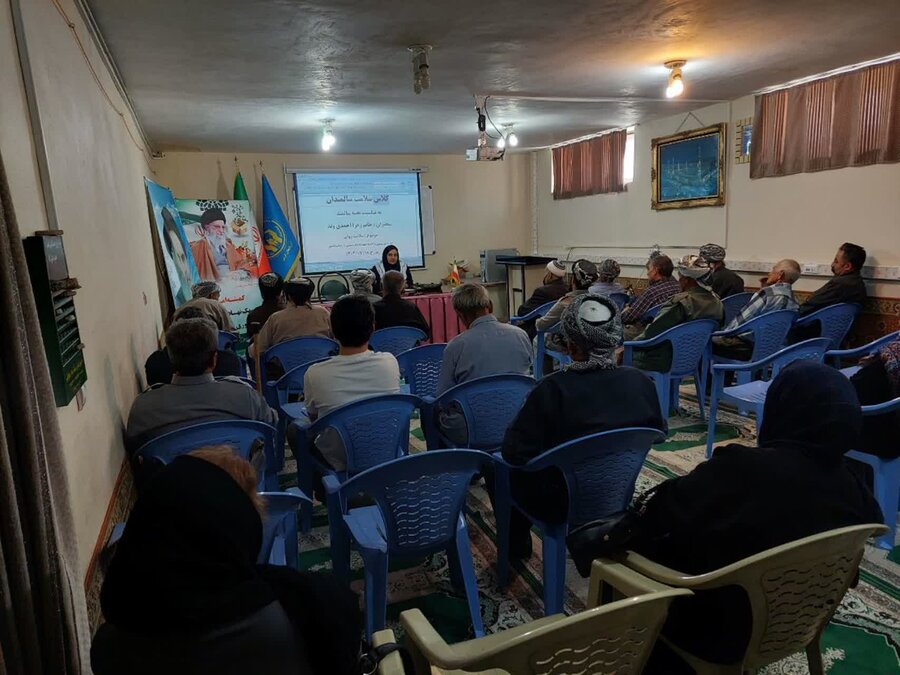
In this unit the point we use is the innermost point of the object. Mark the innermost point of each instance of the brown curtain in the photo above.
(589, 167)
(43, 618)
(846, 120)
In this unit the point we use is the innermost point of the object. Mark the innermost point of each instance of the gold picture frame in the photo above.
(688, 169)
(743, 130)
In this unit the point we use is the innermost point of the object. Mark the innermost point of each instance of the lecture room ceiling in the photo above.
(259, 75)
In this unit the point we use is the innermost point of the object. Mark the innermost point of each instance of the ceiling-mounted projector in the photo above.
(483, 152)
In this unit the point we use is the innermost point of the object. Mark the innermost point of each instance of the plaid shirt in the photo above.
(768, 299)
(654, 295)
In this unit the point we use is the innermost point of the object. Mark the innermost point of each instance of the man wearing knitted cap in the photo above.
(608, 271)
(584, 273)
(591, 395)
(554, 287)
(214, 252)
(696, 301)
(724, 281)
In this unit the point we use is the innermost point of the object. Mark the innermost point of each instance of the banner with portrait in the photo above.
(176, 252)
(226, 245)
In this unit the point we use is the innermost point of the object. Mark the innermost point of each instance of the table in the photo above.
(521, 261)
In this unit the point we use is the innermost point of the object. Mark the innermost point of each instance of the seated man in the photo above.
(207, 296)
(271, 286)
(158, 367)
(554, 287)
(607, 272)
(393, 310)
(777, 293)
(362, 282)
(487, 347)
(724, 281)
(298, 319)
(662, 287)
(353, 374)
(696, 301)
(584, 273)
(845, 286)
(590, 396)
(746, 500)
(194, 395)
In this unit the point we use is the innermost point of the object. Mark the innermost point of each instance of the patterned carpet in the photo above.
(863, 639)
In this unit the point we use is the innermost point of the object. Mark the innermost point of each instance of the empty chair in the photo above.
(288, 386)
(835, 355)
(651, 313)
(242, 435)
(752, 395)
(600, 472)
(417, 511)
(541, 351)
(689, 344)
(292, 353)
(793, 591)
(887, 476)
(488, 405)
(373, 431)
(421, 367)
(332, 289)
(833, 322)
(280, 542)
(733, 305)
(228, 340)
(396, 339)
(615, 638)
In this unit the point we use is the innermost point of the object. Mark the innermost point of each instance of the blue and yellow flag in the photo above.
(278, 237)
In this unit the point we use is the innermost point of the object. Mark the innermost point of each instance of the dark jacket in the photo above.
(393, 310)
(259, 315)
(845, 288)
(158, 367)
(725, 282)
(541, 296)
(881, 433)
(746, 500)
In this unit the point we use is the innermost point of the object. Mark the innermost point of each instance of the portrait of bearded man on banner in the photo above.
(215, 253)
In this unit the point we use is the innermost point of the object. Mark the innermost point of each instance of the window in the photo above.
(628, 160)
(590, 167)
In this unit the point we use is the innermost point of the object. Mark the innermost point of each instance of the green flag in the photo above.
(240, 191)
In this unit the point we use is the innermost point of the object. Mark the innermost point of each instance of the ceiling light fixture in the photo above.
(421, 72)
(507, 137)
(676, 80)
(328, 139)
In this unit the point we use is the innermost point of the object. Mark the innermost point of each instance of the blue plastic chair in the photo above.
(488, 404)
(600, 471)
(752, 395)
(421, 367)
(887, 476)
(281, 545)
(834, 321)
(418, 511)
(689, 344)
(242, 435)
(541, 351)
(770, 332)
(292, 353)
(228, 340)
(835, 355)
(396, 339)
(733, 305)
(650, 314)
(373, 430)
(533, 314)
(621, 299)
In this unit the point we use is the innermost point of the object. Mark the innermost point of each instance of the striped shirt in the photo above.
(656, 294)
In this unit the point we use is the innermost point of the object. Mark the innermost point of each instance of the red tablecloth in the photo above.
(437, 308)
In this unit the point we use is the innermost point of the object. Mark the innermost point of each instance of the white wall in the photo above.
(97, 178)
(477, 205)
(806, 216)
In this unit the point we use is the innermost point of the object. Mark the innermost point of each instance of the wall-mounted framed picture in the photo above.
(743, 133)
(689, 169)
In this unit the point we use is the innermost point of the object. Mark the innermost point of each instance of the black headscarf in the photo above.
(186, 562)
(384, 260)
(814, 408)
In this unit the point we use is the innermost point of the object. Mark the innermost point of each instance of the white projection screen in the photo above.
(346, 218)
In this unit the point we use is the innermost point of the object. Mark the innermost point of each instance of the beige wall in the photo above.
(97, 178)
(803, 217)
(477, 205)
